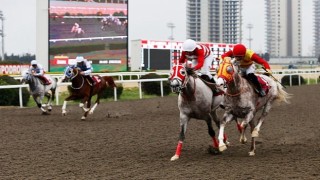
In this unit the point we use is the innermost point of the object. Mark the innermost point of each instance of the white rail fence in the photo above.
(139, 81)
(307, 74)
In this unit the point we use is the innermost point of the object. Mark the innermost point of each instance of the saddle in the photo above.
(211, 85)
(44, 80)
(94, 79)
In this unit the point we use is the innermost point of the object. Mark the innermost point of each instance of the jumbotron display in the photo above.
(94, 29)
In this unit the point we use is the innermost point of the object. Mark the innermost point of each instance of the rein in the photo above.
(73, 78)
(184, 85)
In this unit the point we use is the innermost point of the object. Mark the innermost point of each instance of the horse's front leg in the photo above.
(64, 106)
(38, 100)
(49, 101)
(183, 128)
(253, 141)
(226, 118)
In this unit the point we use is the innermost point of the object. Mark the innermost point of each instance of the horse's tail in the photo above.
(110, 82)
(282, 95)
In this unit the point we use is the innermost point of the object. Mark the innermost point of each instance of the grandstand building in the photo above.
(214, 20)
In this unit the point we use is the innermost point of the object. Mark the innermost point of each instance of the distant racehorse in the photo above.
(196, 100)
(78, 32)
(241, 101)
(81, 89)
(38, 90)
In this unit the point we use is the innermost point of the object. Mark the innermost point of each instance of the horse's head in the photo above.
(26, 77)
(177, 77)
(71, 72)
(225, 71)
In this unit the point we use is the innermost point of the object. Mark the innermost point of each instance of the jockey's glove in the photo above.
(189, 70)
(268, 72)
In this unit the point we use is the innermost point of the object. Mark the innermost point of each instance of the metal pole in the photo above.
(2, 34)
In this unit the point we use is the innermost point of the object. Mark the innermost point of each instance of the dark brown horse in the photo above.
(82, 89)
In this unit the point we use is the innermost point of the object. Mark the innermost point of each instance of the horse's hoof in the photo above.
(255, 133)
(214, 151)
(243, 140)
(90, 112)
(83, 118)
(222, 148)
(252, 153)
(45, 113)
(175, 157)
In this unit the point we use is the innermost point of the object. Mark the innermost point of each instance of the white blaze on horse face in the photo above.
(220, 82)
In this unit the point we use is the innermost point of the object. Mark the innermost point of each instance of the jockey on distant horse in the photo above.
(245, 57)
(86, 69)
(37, 70)
(201, 57)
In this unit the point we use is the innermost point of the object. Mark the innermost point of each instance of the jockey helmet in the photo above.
(80, 59)
(239, 50)
(34, 62)
(189, 45)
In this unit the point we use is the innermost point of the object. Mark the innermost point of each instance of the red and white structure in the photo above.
(160, 55)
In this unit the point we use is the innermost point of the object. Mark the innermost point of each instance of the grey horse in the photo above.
(241, 101)
(196, 100)
(38, 90)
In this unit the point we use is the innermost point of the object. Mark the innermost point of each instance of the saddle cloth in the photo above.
(264, 84)
(96, 79)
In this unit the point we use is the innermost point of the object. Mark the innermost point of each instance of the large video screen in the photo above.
(94, 29)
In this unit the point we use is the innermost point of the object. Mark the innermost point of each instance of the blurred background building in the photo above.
(283, 28)
(214, 20)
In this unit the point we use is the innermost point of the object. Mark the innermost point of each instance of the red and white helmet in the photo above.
(239, 50)
(189, 45)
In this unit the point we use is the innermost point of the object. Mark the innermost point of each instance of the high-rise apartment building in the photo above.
(217, 21)
(283, 28)
(316, 9)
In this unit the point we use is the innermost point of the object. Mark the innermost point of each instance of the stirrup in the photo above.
(262, 93)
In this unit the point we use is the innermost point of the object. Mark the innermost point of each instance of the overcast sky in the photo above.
(147, 20)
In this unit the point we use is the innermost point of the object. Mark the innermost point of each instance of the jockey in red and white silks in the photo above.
(37, 70)
(200, 55)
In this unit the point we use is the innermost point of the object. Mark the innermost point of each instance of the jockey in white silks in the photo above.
(201, 57)
(37, 70)
(86, 68)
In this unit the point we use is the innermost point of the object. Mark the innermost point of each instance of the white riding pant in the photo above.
(206, 66)
(248, 70)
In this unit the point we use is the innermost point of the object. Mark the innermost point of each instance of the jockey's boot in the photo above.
(253, 78)
(92, 82)
(212, 80)
(207, 78)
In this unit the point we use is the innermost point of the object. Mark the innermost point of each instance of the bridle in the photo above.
(71, 76)
(179, 79)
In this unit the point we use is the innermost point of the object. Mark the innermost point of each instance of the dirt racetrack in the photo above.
(136, 139)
